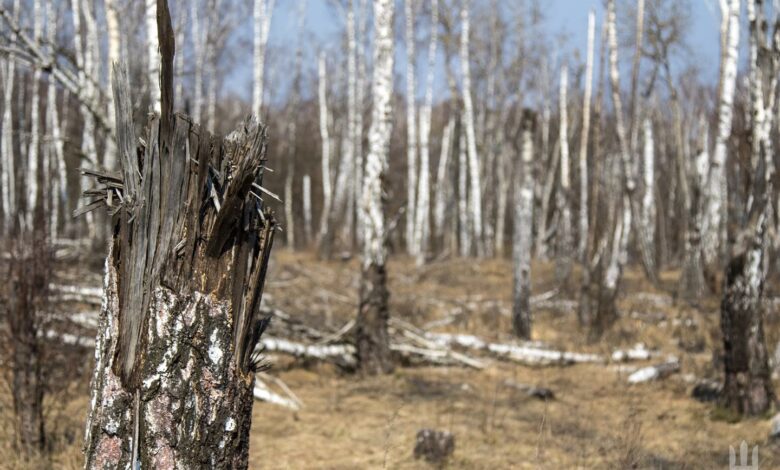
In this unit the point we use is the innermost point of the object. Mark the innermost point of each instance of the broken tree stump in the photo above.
(174, 362)
(434, 446)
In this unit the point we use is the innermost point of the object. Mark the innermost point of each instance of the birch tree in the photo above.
(6, 145)
(31, 172)
(523, 230)
(411, 125)
(475, 195)
(373, 348)
(564, 207)
(199, 57)
(306, 195)
(114, 55)
(263, 10)
(584, 136)
(423, 211)
(648, 215)
(325, 136)
(715, 197)
(748, 386)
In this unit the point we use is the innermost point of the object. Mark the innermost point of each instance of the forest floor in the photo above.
(596, 420)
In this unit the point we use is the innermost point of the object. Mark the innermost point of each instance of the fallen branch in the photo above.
(263, 393)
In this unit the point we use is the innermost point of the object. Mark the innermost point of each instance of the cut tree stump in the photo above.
(174, 357)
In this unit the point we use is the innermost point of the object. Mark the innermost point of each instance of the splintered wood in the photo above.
(175, 356)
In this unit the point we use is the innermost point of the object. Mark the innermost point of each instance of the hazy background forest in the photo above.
(465, 233)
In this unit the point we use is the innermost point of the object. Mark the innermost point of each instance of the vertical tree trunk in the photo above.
(114, 55)
(262, 20)
(357, 180)
(564, 238)
(184, 277)
(692, 283)
(199, 58)
(28, 284)
(584, 135)
(306, 194)
(33, 150)
(373, 348)
(475, 195)
(8, 180)
(715, 198)
(152, 55)
(325, 136)
(423, 212)
(411, 125)
(523, 230)
(442, 189)
(748, 386)
(464, 229)
(648, 175)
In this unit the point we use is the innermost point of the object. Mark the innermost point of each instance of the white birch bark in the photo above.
(523, 231)
(584, 136)
(648, 175)
(211, 63)
(374, 251)
(306, 194)
(6, 145)
(325, 136)
(114, 56)
(263, 10)
(423, 211)
(357, 180)
(464, 220)
(199, 59)
(83, 64)
(411, 126)
(56, 150)
(635, 101)
(564, 209)
(625, 152)
(349, 140)
(152, 55)
(715, 197)
(178, 93)
(441, 178)
(475, 197)
(31, 173)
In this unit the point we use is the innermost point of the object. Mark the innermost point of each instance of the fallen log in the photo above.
(638, 353)
(656, 372)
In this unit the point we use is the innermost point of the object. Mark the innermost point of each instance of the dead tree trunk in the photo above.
(174, 364)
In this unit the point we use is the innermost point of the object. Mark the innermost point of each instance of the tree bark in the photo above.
(174, 363)
(411, 126)
(564, 238)
(327, 192)
(475, 195)
(582, 246)
(423, 211)
(28, 286)
(523, 230)
(373, 348)
(715, 198)
(748, 386)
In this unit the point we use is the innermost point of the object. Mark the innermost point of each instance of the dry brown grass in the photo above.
(596, 420)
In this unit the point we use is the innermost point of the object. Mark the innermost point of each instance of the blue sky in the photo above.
(324, 29)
